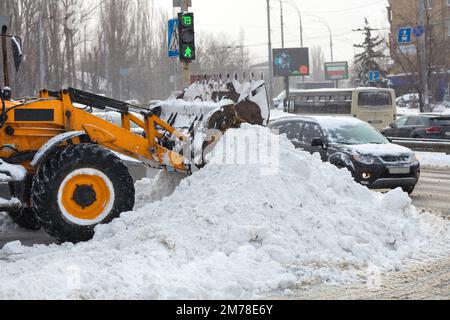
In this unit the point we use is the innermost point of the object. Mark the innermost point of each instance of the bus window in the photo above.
(374, 99)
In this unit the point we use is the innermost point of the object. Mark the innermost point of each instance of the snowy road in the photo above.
(433, 191)
(427, 281)
(432, 194)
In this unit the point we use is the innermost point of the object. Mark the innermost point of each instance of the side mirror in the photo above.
(392, 126)
(317, 142)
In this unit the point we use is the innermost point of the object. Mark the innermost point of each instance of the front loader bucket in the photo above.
(251, 107)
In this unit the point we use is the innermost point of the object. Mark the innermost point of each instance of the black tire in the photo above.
(26, 219)
(409, 189)
(51, 177)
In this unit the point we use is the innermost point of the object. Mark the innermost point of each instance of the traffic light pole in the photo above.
(186, 66)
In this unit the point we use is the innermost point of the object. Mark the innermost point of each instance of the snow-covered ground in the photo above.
(434, 160)
(232, 231)
(438, 109)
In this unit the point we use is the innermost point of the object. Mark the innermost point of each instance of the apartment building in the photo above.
(405, 14)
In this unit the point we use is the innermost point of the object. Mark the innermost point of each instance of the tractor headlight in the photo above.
(365, 159)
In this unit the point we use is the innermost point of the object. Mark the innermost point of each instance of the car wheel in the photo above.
(409, 189)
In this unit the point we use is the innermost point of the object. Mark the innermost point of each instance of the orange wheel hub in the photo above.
(85, 197)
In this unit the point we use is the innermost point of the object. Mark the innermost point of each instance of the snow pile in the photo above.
(6, 224)
(433, 160)
(234, 231)
(437, 109)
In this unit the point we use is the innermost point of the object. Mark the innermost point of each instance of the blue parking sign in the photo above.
(404, 35)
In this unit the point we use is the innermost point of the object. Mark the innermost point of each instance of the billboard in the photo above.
(291, 62)
(336, 71)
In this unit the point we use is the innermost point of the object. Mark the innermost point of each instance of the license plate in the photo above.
(400, 170)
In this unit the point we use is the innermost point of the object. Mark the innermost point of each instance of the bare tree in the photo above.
(318, 63)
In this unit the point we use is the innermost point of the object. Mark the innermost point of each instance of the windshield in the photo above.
(374, 99)
(355, 134)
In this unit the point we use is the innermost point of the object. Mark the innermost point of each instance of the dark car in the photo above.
(425, 126)
(353, 144)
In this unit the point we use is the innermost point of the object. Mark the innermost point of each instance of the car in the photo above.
(423, 126)
(410, 101)
(347, 142)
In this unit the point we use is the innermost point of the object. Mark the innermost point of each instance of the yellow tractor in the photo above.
(62, 162)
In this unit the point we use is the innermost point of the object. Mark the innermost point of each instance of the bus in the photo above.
(376, 106)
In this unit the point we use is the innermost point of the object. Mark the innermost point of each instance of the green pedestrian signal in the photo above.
(187, 52)
(187, 36)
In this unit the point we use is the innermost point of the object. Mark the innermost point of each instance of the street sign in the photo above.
(374, 76)
(419, 31)
(407, 50)
(174, 39)
(336, 70)
(291, 62)
(125, 72)
(179, 3)
(4, 21)
(404, 35)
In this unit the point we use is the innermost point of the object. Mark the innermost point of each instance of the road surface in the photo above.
(433, 191)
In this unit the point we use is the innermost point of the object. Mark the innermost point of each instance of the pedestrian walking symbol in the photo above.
(173, 41)
(187, 52)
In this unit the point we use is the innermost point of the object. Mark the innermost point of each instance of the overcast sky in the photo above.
(230, 16)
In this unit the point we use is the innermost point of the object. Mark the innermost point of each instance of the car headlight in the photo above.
(413, 158)
(365, 159)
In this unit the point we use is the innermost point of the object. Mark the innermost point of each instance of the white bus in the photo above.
(373, 105)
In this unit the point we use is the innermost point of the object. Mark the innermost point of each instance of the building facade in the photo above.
(406, 67)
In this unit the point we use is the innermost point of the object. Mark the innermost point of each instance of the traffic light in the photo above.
(187, 36)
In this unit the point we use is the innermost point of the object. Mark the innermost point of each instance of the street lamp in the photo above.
(293, 4)
(325, 23)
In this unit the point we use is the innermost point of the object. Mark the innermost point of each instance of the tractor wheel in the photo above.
(82, 186)
(26, 219)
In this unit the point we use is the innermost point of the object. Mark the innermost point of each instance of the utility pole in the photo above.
(269, 30)
(423, 58)
(286, 79)
(186, 69)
